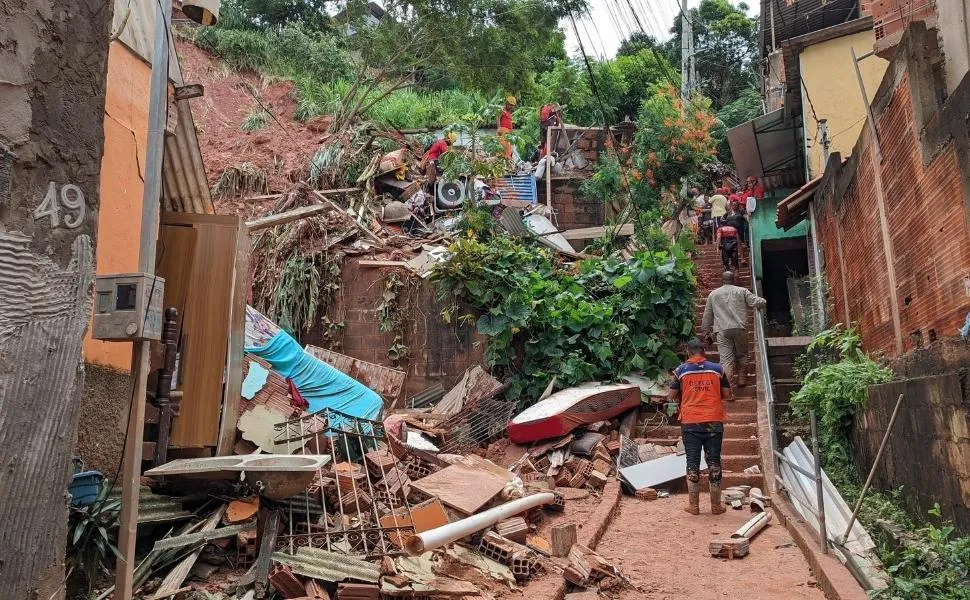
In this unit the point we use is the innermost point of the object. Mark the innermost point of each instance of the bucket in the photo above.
(85, 485)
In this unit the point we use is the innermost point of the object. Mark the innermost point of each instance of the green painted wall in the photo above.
(763, 227)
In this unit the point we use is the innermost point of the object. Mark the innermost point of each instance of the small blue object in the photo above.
(255, 380)
(321, 385)
(84, 487)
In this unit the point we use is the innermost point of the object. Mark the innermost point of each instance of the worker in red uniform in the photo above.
(728, 240)
(699, 389)
(438, 148)
(505, 126)
(550, 115)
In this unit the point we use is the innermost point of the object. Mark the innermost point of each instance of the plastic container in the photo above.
(85, 485)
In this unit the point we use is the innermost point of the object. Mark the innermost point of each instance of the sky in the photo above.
(609, 22)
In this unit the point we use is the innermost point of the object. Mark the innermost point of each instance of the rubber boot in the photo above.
(717, 505)
(693, 497)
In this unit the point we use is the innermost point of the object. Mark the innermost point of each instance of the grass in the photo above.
(256, 119)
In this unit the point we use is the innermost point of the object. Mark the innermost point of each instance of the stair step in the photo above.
(743, 446)
(731, 430)
(738, 462)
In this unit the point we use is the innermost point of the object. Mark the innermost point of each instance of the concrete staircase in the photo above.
(740, 449)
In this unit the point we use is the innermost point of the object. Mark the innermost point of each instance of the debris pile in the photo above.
(324, 499)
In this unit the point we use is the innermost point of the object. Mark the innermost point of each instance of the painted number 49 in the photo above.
(70, 200)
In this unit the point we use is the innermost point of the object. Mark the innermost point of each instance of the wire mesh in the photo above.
(352, 506)
(476, 425)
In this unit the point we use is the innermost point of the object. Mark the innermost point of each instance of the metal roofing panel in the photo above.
(185, 187)
(328, 566)
(153, 508)
(766, 146)
(517, 187)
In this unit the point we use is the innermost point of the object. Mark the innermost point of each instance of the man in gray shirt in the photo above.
(726, 314)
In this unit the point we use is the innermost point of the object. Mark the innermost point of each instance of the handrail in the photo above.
(761, 348)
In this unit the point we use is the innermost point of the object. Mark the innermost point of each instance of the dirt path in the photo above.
(663, 550)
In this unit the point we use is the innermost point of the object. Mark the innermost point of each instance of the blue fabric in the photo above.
(965, 330)
(321, 385)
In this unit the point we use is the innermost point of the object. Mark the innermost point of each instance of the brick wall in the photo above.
(440, 353)
(572, 210)
(925, 182)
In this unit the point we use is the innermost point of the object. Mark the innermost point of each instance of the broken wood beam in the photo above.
(267, 544)
(287, 217)
(352, 216)
(562, 538)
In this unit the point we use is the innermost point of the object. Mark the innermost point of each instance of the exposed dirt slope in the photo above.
(282, 149)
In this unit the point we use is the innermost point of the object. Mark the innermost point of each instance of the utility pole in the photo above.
(54, 58)
(151, 195)
(686, 53)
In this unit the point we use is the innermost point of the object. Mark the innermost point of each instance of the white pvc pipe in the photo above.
(435, 538)
(753, 526)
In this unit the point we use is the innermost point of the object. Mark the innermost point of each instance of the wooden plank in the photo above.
(287, 217)
(267, 544)
(173, 581)
(589, 233)
(237, 344)
(174, 265)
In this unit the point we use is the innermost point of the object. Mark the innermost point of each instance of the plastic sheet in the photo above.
(321, 385)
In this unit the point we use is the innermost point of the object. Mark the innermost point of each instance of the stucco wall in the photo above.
(122, 183)
(954, 34)
(833, 92)
(762, 226)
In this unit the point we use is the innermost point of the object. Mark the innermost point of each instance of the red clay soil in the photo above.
(283, 152)
(664, 551)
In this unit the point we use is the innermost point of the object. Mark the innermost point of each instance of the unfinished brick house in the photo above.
(891, 235)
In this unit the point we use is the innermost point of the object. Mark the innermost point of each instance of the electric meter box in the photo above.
(128, 307)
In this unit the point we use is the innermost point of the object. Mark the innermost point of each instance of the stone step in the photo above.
(730, 446)
(679, 486)
(731, 430)
(738, 462)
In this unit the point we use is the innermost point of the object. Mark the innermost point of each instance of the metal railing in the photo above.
(761, 347)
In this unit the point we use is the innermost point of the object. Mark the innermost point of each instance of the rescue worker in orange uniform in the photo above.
(700, 388)
(505, 126)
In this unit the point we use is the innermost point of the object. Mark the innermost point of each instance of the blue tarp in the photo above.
(321, 385)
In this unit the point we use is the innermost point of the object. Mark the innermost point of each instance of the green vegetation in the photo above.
(604, 319)
(91, 534)
(256, 119)
(931, 563)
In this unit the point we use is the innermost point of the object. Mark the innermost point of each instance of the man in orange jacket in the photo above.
(700, 388)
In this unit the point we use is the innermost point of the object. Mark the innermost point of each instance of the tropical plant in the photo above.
(91, 535)
(604, 319)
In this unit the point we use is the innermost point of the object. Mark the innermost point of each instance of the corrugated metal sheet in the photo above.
(385, 381)
(517, 187)
(153, 508)
(328, 566)
(185, 187)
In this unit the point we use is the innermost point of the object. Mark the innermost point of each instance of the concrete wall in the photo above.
(905, 278)
(440, 352)
(928, 452)
(831, 92)
(762, 226)
(953, 25)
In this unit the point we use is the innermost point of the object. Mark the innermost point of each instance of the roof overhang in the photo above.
(799, 17)
(793, 209)
(769, 147)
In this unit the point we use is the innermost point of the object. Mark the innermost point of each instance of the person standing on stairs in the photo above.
(726, 316)
(700, 388)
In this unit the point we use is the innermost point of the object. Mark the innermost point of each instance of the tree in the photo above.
(746, 107)
(726, 46)
(637, 42)
(53, 132)
(642, 71)
(274, 13)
